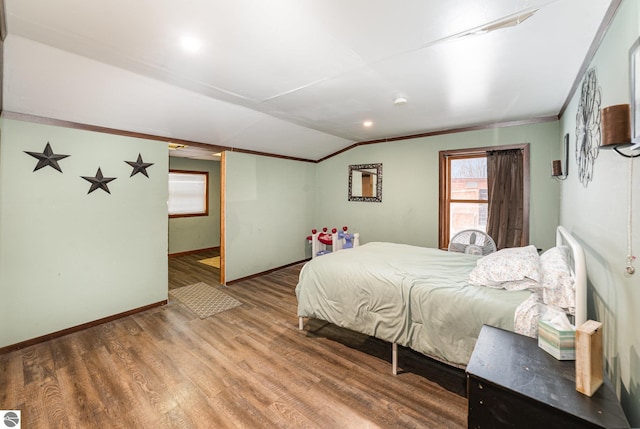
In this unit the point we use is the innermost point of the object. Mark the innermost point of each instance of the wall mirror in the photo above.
(365, 182)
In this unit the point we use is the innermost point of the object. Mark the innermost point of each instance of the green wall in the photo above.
(408, 212)
(598, 216)
(269, 212)
(198, 232)
(68, 257)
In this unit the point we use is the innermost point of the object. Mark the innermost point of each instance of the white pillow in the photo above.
(557, 282)
(515, 268)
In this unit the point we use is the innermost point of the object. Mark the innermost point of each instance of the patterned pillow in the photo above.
(557, 282)
(515, 268)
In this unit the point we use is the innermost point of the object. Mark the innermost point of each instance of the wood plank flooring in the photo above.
(248, 367)
(185, 270)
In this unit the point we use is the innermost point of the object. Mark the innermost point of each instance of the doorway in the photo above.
(194, 240)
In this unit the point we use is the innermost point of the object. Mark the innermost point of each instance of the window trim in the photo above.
(444, 187)
(206, 194)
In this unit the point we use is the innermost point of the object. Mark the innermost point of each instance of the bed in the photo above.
(435, 302)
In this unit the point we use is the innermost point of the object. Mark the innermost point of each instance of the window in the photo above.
(464, 204)
(188, 193)
(464, 193)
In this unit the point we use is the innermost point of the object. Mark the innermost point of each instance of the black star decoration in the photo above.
(98, 182)
(47, 158)
(139, 166)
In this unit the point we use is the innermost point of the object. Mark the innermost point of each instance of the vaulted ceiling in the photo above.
(296, 78)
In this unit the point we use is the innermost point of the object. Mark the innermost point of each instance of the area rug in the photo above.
(204, 300)
(214, 262)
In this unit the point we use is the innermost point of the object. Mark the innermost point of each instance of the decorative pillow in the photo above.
(515, 268)
(557, 282)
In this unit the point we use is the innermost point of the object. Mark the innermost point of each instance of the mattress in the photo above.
(415, 296)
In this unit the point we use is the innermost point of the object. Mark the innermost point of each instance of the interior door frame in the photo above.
(223, 178)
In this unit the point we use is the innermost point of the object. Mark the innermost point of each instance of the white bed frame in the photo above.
(578, 270)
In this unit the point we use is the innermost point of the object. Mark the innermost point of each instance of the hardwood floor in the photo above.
(248, 367)
(185, 269)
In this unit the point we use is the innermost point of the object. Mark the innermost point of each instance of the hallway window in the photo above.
(188, 193)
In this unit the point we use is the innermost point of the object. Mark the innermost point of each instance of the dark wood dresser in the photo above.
(512, 383)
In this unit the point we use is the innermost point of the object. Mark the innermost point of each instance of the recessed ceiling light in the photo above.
(190, 44)
(399, 101)
(367, 124)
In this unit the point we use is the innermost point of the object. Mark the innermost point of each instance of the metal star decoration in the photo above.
(98, 182)
(47, 158)
(139, 166)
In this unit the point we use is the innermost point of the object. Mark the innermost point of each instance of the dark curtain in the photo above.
(506, 197)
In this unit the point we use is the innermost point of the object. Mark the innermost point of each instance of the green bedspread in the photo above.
(415, 296)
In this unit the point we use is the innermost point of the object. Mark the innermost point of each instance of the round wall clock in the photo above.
(588, 127)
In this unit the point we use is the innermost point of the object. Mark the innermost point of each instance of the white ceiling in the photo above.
(293, 77)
